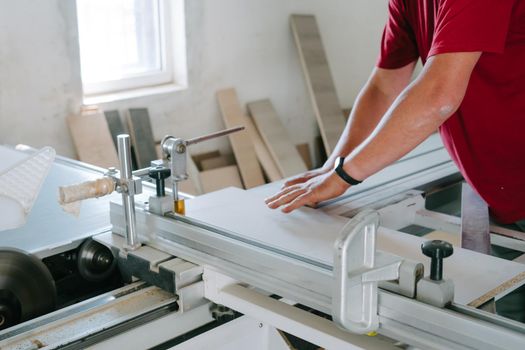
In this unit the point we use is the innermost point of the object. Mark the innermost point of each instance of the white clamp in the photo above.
(356, 274)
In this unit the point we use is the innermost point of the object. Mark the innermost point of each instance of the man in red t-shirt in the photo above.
(471, 88)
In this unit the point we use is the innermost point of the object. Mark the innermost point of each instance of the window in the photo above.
(130, 44)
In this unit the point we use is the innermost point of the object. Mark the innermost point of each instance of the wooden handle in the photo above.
(85, 190)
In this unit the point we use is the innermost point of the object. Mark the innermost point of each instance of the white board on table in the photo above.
(311, 233)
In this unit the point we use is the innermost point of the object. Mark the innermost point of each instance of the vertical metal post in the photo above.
(128, 200)
(175, 190)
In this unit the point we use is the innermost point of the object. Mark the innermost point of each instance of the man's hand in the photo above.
(316, 189)
(303, 177)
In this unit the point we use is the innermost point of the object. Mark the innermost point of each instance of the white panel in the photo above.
(311, 233)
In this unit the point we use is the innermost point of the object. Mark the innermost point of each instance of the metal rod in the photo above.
(175, 190)
(141, 172)
(213, 135)
(128, 201)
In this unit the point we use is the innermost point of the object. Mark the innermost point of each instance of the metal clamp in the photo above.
(356, 274)
(175, 150)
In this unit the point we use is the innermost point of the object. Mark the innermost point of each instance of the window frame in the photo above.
(173, 60)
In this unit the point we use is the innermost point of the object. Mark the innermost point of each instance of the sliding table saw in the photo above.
(349, 274)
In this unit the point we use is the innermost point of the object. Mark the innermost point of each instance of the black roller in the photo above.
(27, 289)
(95, 261)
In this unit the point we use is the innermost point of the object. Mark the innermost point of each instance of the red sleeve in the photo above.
(398, 45)
(471, 25)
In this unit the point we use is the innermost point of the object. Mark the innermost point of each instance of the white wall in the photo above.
(39, 72)
(239, 43)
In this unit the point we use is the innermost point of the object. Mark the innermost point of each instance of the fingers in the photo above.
(296, 180)
(299, 201)
(279, 194)
(286, 198)
(301, 178)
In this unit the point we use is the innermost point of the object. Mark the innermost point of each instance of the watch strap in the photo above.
(343, 174)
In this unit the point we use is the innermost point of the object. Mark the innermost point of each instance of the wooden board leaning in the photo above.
(319, 79)
(242, 145)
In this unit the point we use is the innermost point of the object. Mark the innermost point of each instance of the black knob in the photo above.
(437, 250)
(159, 173)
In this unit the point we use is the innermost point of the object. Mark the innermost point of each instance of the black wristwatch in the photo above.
(343, 174)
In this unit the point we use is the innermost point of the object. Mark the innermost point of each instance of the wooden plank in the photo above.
(319, 151)
(218, 162)
(158, 151)
(276, 138)
(188, 187)
(139, 126)
(115, 124)
(194, 174)
(198, 158)
(243, 148)
(216, 179)
(92, 140)
(511, 284)
(304, 151)
(116, 127)
(319, 80)
(310, 234)
(263, 154)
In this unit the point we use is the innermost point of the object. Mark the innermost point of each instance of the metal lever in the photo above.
(175, 149)
(357, 273)
(213, 135)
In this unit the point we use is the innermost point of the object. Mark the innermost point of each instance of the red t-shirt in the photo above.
(486, 136)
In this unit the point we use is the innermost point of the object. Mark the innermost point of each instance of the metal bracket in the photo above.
(356, 274)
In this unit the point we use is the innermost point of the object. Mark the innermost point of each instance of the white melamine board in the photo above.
(474, 274)
(303, 232)
(453, 239)
(311, 234)
(276, 138)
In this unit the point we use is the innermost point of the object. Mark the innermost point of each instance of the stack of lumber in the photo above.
(271, 143)
(94, 133)
(264, 151)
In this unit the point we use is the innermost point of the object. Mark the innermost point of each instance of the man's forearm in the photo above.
(371, 104)
(368, 109)
(414, 115)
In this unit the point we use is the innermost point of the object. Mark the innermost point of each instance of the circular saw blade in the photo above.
(27, 289)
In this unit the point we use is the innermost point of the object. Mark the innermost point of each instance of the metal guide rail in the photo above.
(86, 323)
(398, 316)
